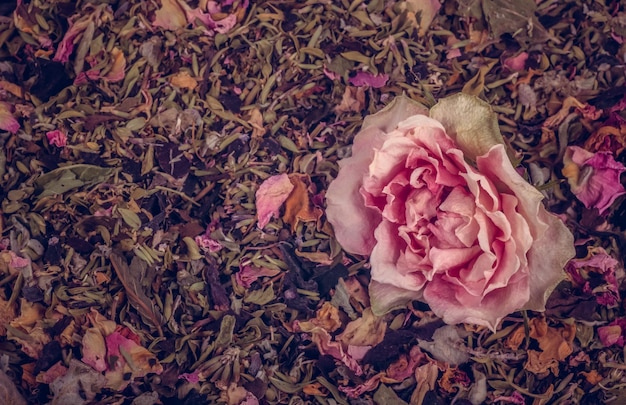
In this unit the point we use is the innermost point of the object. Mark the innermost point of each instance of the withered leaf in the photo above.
(513, 17)
(67, 178)
(129, 276)
(172, 160)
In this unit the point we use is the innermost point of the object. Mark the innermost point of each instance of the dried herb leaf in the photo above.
(129, 276)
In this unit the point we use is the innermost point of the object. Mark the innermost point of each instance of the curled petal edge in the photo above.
(470, 121)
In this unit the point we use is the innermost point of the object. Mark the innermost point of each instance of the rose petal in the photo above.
(368, 79)
(386, 297)
(94, 349)
(470, 122)
(170, 16)
(270, 196)
(552, 242)
(594, 178)
(7, 120)
(56, 138)
(516, 63)
(354, 223)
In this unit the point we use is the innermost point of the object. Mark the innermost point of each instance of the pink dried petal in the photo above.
(94, 349)
(249, 274)
(331, 75)
(358, 391)
(368, 79)
(610, 335)
(7, 120)
(358, 352)
(18, 262)
(594, 178)
(56, 138)
(270, 196)
(205, 242)
(516, 63)
(193, 378)
(326, 345)
(58, 370)
(515, 398)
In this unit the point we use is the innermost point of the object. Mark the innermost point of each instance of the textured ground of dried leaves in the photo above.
(135, 136)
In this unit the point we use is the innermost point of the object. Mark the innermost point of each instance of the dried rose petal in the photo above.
(270, 196)
(7, 120)
(56, 138)
(594, 178)
(368, 79)
(516, 63)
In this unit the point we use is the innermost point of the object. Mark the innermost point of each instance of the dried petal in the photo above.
(594, 178)
(7, 120)
(368, 79)
(270, 196)
(57, 138)
(470, 122)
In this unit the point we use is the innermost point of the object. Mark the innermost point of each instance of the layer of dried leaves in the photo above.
(134, 138)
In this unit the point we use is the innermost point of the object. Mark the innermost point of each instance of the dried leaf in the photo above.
(136, 295)
(67, 178)
(515, 18)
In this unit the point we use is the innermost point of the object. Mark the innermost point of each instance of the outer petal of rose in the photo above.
(7, 120)
(272, 193)
(395, 112)
(546, 259)
(353, 222)
(552, 242)
(470, 122)
(386, 297)
(454, 305)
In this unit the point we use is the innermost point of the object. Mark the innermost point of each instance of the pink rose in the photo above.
(594, 178)
(472, 240)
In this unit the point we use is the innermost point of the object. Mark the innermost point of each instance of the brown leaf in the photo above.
(138, 298)
(514, 17)
(476, 84)
(298, 207)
